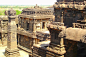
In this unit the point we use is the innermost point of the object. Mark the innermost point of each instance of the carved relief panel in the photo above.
(57, 15)
(4, 26)
(9, 36)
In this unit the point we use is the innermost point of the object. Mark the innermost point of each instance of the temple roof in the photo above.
(33, 8)
(36, 11)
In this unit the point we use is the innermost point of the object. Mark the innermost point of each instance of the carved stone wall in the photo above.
(39, 52)
(57, 15)
(71, 48)
(43, 52)
(25, 41)
(3, 27)
(70, 16)
(4, 38)
(54, 37)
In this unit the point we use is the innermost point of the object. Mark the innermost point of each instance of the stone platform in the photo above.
(22, 53)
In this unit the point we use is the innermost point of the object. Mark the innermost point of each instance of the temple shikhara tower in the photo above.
(12, 50)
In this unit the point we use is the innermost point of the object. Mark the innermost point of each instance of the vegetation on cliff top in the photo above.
(17, 12)
(17, 8)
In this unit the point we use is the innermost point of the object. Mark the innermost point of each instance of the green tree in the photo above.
(2, 12)
(18, 12)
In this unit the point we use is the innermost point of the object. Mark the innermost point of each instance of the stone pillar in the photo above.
(73, 25)
(62, 50)
(18, 38)
(33, 41)
(62, 18)
(22, 23)
(41, 25)
(12, 50)
(25, 24)
(45, 25)
(19, 22)
(34, 27)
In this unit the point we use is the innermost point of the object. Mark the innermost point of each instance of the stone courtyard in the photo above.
(22, 53)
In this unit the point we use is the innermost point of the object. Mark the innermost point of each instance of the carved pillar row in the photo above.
(62, 17)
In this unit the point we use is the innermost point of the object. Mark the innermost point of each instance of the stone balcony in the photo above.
(56, 25)
(78, 25)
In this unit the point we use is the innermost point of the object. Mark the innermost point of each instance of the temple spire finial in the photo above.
(36, 4)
